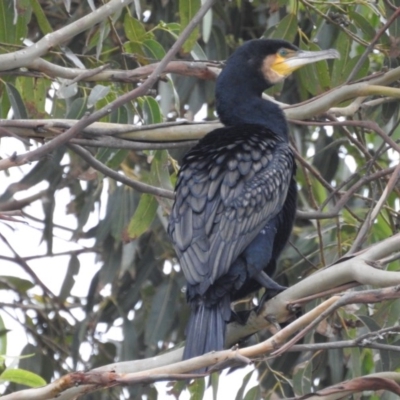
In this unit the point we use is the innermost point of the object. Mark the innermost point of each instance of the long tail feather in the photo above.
(206, 329)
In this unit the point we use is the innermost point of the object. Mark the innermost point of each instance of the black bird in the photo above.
(236, 194)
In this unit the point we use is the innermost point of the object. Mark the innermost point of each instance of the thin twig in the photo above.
(99, 166)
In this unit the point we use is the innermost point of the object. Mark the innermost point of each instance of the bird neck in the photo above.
(243, 106)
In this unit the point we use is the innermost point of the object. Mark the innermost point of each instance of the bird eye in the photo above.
(283, 52)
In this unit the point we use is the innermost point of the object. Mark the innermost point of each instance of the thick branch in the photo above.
(357, 268)
(201, 70)
(175, 132)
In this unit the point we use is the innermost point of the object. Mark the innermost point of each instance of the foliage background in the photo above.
(138, 287)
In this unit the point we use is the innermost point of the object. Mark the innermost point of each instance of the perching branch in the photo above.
(358, 268)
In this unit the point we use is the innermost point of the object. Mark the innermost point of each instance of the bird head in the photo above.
(277, 66)
(253, 68)
(270, 59)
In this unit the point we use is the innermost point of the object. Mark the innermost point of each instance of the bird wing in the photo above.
(230, 185)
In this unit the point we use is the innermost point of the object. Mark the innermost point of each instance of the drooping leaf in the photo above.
(22, 285)
(153, 49)
(253, 393)
(343, 46)
(22, 377)
(14, 22)
(187, 10)
(361, 22)
(16, 101)
(197, 389)
(286, 28)
(159, 320)
(151, 110)
(134, 29)
(143, 217)
(69, 281)
(34, 94)
(214, 384)
(246, 379)
(97, 93)
(43, 22)
(3, 340)
(77, 109)
(207, 24)
(302, 378)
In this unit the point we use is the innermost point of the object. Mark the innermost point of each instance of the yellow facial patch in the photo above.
(269, 70)
(280, 66)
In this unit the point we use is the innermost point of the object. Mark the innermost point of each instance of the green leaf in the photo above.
(187, 10)
(319, 191)
(69, 281)
(143, 217)
(286, 28)
(151, 110)
(33, 92)
(343, 46)
(3, 337)
(159, 174)
(197, 389)
(321, 71)
(160, 177)
(41, 18)
(20, 284)
(16, 101)
(159, 321)
(77, 109)
(96, 94)
(134, 29)
(129, 349)
(22, 377)
(198, 53)
(206, 27)
(121, 115)
(315, 77)
(363, 71)
(153, 49)
(5, 104)
(214, 384)
(302, 378)
(173, 28)
(136, 49)
(253, 393)
(240, 393)
(13, 28)
(361, 22)
(117, 159)
(383, 363)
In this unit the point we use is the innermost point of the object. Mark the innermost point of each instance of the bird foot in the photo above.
(268, 283)
(268, 295)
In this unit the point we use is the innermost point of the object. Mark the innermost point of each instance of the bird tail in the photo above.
(205, 331)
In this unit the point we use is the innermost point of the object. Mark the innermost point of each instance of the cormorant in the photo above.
(236, 194)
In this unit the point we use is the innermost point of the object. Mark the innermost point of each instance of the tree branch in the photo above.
(26, 56)
(202, 70)
(99, 166)
(358, 268)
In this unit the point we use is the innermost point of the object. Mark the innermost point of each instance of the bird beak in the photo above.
(285, 65)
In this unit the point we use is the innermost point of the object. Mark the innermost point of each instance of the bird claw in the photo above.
(268, 295)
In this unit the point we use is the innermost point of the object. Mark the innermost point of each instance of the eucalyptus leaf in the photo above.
(22, 377)
(97, 93)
